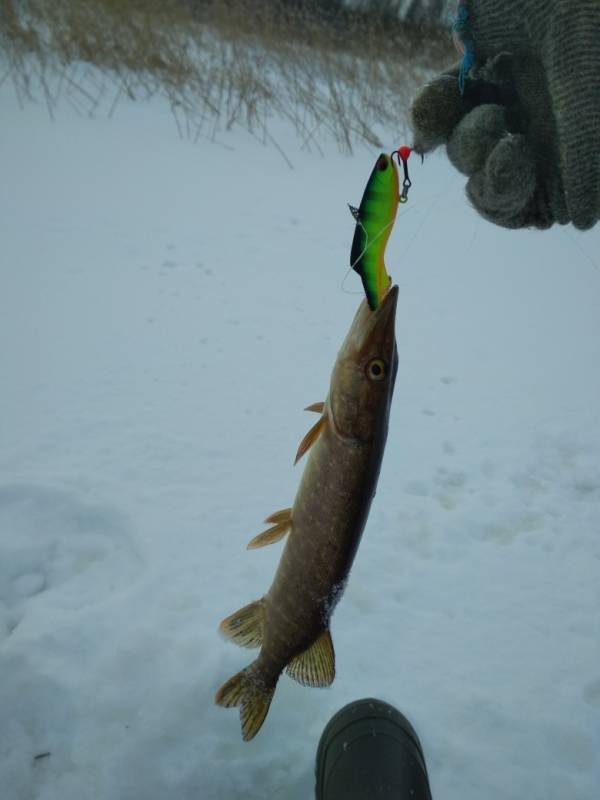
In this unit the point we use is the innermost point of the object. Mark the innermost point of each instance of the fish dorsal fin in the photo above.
(310, 438)
(318, 407)
(271, 535)
(245, 627)
(355, 212)
(280, 516)
(316, 665)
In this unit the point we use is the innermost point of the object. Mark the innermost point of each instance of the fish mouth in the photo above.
(375, 331)
(386, 312)
(372, 333)
(358, 402)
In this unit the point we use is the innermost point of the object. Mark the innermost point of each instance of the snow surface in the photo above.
(169, 308)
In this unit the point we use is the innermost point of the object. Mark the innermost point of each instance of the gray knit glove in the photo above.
(526, 126)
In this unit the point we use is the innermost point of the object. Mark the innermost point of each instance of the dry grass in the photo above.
(222, 63)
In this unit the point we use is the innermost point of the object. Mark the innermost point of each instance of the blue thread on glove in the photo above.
(466, 64)
(461, 28)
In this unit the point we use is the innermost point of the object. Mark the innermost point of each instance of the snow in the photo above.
(169, 308)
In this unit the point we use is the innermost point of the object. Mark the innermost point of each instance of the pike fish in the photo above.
(290, 623)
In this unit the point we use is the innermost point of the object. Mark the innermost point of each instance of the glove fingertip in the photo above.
(475, 137)
(504, 190)
(435, 112)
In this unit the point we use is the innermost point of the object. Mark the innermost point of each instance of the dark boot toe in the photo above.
(370, 750)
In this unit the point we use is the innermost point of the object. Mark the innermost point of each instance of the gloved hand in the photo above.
(526, 127)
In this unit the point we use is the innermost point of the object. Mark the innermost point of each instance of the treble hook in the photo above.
(402, 155)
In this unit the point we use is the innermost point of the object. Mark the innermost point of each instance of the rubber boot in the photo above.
(369, 750)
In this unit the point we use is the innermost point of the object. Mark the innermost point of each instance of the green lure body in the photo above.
(375, 219)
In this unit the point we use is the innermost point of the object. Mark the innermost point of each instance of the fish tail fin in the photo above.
(249, 691)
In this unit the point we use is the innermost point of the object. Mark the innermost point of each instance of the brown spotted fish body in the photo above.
(290, 623)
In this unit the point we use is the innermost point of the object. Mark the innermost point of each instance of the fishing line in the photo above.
(370, 244)
(348, 291)
(366, 247)
(425, 218)
(581, 250)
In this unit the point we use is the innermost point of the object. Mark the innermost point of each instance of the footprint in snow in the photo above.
(451, 484)
(53, 542)
(591, 694)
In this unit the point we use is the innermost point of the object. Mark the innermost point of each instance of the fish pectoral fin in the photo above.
(280, 516)
(270, 536)
(318, 407)
(245, 627)
(310, 438)
(248, 691)
(316, 665)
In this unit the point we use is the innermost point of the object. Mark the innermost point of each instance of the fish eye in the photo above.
(376, 369)
(382, 163)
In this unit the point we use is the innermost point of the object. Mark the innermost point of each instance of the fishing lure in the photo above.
(375, 219)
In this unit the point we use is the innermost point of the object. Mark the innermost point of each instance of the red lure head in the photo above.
(402, 154)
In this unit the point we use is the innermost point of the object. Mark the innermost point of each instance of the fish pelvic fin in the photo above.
(282, 524)
(318, 407)
(310, 438)
(247, 690)
(316, 665)
(280, 516)
(271, 535)
(245, 627)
